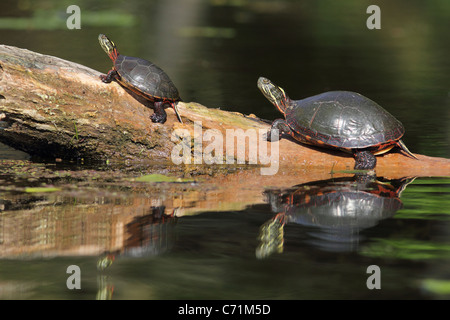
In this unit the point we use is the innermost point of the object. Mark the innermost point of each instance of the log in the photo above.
(58, 109)
(55, 108)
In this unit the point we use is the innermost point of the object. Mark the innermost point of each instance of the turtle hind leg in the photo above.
(279, 125)
(364, 160)
(159, 115)
(402, 146)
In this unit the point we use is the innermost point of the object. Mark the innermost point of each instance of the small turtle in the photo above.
(342, 120)
(143, 78)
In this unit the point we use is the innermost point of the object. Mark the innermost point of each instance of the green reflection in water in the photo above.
(407, 249)
(56, 20)
(426, 199)
(437, 286)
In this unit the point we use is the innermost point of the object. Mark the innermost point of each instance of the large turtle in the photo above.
(337, 119)
(142, 77)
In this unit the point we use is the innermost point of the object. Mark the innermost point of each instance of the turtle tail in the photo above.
(174, 106)
(402, 145)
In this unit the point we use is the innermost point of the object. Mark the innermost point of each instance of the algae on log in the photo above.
(56, 108)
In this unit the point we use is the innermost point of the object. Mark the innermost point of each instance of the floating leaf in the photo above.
(41, 189)
(160, 178)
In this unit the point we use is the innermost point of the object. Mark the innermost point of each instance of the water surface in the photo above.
(314, 240)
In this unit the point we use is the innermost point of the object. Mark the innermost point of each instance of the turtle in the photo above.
(342, 120)
(143, 78)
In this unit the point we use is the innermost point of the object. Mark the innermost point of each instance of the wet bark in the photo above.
(54, 108)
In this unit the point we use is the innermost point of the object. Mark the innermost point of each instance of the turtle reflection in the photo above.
(147, 235)
(336, 209)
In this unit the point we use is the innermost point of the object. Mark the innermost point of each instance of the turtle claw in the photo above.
(107, 78)
(278, 127)
(158, 118)
(268, 136)
(159, 115)
(365, 160)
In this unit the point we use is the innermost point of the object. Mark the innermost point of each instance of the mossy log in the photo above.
(54, 108)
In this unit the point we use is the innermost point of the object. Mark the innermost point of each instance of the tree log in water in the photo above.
(59, 109)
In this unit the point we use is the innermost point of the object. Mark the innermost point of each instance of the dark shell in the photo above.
(343, 119)
(145, 77)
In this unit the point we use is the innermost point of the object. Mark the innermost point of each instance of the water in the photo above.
(315, 240)
(182, 241)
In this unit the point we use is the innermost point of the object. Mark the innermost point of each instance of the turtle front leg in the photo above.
(364, 160)
(160, 115)
(282, 127)
(112, 74)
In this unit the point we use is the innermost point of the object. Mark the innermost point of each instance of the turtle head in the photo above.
(274, 94)
(109, 46)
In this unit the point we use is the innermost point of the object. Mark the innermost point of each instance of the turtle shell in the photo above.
(343, 119)
(145, 78)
